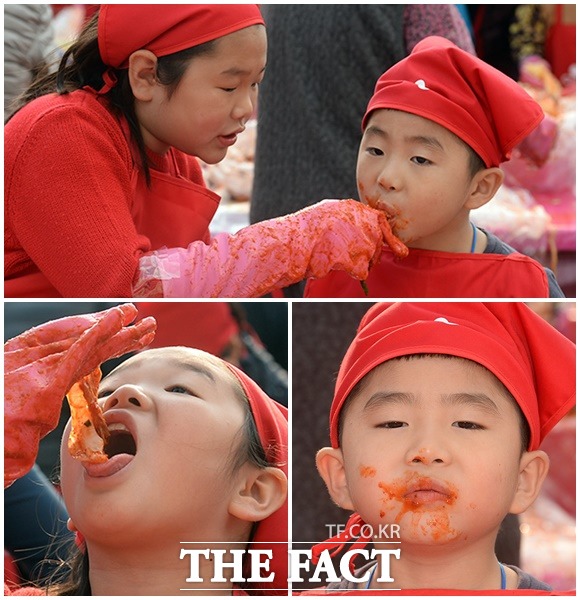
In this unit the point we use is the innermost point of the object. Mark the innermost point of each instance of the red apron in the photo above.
(171, 212)
(431, 274)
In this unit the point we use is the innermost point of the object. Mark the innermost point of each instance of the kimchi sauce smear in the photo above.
(431, 518)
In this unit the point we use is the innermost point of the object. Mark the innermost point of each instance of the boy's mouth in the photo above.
(424, 490)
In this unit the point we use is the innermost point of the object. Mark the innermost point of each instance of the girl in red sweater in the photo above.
(104, 195)
(196, 459)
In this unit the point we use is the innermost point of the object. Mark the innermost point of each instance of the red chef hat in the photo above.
(272, 424)
(532, 359)
(167, 28)
(438, 81)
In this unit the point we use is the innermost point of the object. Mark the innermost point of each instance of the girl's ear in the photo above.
(330, 464)
(484, 186)
(142, 74)
(258, 493)
(533, 470)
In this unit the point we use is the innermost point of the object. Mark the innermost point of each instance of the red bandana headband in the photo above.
(532, 359)
(489, 111)
(165, 29)
(271, 420)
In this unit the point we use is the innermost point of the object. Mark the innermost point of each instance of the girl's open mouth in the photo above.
(121, 449)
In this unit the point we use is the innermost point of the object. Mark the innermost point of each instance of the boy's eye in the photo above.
(374, 151)
(392, 425)
(178, 389)
(467, 425)
(229, 90)
(420, 160)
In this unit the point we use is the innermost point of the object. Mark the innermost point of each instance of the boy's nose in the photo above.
(390, 178)
(128, 396)
(432, 454)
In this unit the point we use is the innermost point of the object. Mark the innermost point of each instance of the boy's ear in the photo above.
(330, 464)
(533, 470)
(142, 74)
(484, 186)
(258, 493)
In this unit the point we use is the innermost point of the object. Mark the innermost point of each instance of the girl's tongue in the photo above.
(106, 469)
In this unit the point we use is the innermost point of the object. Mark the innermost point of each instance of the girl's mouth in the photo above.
(230, 139)
(120, 448)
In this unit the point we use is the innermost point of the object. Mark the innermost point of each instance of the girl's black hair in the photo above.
(81, 65)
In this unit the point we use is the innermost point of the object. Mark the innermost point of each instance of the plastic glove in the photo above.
(42, 364)
(331, 235)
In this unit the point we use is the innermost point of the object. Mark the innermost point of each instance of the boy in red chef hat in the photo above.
(436, 423)
(434, 134)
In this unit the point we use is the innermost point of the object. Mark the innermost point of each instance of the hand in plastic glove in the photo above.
(331, 235)
(42, 364)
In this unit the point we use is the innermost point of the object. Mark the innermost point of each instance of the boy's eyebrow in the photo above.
(462, 398)
(480, 400)
(379, 398)
(374, 130)
(426, 140)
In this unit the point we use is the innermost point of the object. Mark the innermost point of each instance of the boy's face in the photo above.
(182, 412)
(433, 445)
(418, 173)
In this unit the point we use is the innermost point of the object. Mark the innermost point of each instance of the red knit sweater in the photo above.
(67, 208)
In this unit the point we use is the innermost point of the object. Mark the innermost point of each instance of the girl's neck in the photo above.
(446, 567)
(155, 571)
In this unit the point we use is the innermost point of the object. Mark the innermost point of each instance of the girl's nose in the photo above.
(244, 108)
(128, 396)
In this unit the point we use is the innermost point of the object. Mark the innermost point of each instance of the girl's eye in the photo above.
(178, 389)
(229, 90)
(392, 425)
(419, 160)
(467, 425)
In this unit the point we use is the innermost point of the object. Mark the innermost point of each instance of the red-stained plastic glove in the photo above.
(41, 365)
(331, 235)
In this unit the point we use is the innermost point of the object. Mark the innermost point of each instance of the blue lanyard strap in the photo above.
(503, 577)
(474, 241)
(368, 585)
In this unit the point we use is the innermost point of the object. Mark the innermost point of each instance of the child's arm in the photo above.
(331, 235)
(42, 364)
